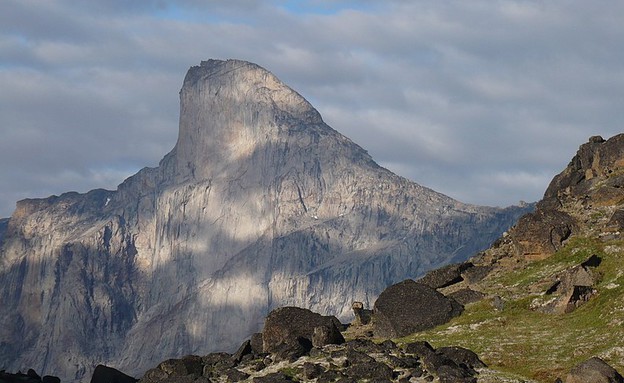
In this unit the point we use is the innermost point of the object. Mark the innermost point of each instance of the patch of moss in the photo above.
(292, 372)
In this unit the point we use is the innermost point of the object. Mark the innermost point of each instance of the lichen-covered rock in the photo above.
(408, 307)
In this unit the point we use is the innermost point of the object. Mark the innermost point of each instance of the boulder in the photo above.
(573, 287)
(274, 377)
(105, 374)
(50, 379)
(594, 370)
(33, 374)
(234, 375)
(461, 356)
(311, 370)
(466, 296)
(191, 364)
(419, 348)
(364, 345)
(291, 351)
(293, 325)
(154, 375)
(372, 370)
(445, 276)
(244, 349)
(324, 335)
(454, 374)
(408, 307)
(216, 362)
(476, 273)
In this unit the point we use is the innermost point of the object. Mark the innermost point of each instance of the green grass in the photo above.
(292, 372)
(536, 345)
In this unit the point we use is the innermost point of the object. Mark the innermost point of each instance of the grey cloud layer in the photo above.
(483, 101)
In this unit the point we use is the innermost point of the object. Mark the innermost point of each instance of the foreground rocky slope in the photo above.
(260, 204)
(549, 294)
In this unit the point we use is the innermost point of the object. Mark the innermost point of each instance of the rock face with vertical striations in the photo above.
(260, 204)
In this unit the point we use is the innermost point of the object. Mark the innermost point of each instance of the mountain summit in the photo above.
(260, 204)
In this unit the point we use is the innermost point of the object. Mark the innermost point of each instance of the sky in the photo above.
(484, 101)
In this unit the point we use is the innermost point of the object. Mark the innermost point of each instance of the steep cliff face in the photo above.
(260, 204)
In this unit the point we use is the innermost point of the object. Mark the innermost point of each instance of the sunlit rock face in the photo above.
(260, 204)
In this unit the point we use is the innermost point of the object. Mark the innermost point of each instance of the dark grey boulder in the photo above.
(234, 375)
(593, 370)
(445, 276)
(476, 273)
(105, 374)
(50, 379)
(312, 370)
(369, 370)
(275, 377)
(188, 365)
(324, 335)
(33, 374)
(408, 307)
(419, 348)
(364, 345)
(466, 296)
(218, 360)
(358, 357)
(289, 325)
(291, 351)
(461, 356)
(454, 374)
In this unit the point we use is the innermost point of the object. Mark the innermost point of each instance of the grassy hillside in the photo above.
(522, 342)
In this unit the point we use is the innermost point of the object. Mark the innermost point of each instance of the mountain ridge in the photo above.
(260, 204)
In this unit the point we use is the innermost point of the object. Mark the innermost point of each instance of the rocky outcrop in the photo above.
(584, 199)
(408, 307)
(260, 204)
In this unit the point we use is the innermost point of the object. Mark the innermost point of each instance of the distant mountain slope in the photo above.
(555, 281)
(260, 204)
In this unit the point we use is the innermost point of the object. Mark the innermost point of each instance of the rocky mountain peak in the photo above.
(231, 111)
(260, 204)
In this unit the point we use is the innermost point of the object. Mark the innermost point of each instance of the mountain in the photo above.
(260, 204)
(551, 289)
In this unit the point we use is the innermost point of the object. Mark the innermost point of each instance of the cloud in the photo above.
(481, 101)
